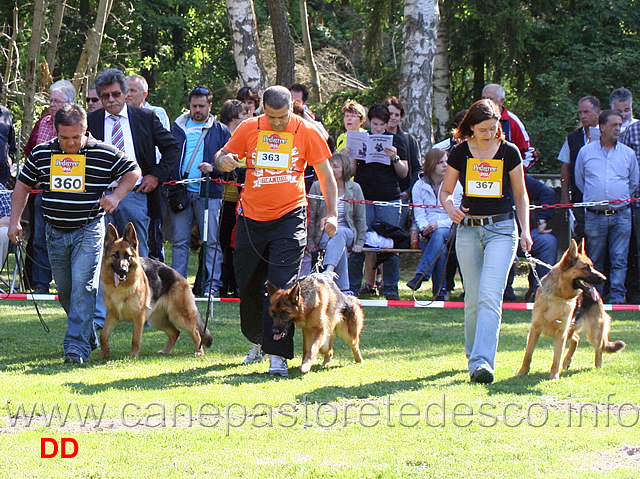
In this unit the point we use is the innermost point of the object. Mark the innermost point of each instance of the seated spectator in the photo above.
(352, 223)
(434, 224)
(545, 244)
(354, 117)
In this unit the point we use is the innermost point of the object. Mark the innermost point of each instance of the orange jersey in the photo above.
(270, 193)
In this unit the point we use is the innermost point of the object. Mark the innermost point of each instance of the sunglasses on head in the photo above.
(247, 89)
(200, 90)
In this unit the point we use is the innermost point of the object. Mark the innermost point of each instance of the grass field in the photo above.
(408, 411)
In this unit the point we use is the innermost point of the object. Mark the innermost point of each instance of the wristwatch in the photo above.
(396, 159)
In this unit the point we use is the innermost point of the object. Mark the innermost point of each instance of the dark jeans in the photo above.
(267, 250)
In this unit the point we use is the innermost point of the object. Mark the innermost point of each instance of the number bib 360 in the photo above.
(68, 173)
(274, 150)
(484, 178)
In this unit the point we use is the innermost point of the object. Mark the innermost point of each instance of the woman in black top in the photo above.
(490, 171)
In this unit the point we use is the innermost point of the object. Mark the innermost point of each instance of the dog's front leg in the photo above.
(110, 323)
(532, 340)
(315, 343)
(573, 344)
(558, 348)
(136, 341)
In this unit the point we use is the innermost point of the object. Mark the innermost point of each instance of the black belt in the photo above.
(608, 212)
(486, 220)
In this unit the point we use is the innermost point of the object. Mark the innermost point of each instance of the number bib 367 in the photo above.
(68, 173)
(274, 150)
(484, 178)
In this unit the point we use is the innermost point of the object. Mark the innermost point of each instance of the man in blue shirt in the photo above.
(607, 170)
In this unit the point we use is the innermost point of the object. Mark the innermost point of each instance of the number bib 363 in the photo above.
(274, 150)
(484, 178)
(68, 173)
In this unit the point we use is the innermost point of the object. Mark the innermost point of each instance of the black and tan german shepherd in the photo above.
(139, 289)
(317, 306)
(566, 303)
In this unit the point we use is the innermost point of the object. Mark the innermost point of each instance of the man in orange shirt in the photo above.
(271, 231)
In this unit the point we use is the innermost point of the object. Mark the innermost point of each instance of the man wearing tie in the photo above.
(136, 132)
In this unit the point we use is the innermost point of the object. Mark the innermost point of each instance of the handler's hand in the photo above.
(330, 225)
(15, 233)
(227, 162)
(525, 241)
(109, 203)
(457, 214)
(149, 183)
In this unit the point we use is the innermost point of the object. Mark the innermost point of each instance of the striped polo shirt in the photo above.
(68, 211)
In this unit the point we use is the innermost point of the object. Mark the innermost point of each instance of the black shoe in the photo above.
(482, 376)
(509, 294)
(416, 282)
(73, 358)
(41, 290)
(392, 297)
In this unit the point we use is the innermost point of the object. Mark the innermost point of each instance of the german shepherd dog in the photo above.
(139, 289)
(321, 310)
(566, 303)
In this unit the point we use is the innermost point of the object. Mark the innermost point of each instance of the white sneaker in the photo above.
(255, 355)
(278, 366)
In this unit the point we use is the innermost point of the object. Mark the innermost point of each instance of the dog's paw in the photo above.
(523, 372)
(305, 368)
(198, 353)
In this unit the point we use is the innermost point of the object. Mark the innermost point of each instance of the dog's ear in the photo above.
(295, 295)
(571, 255)
(130, 236)
(110, 236)
(271, 288)
(581, 249)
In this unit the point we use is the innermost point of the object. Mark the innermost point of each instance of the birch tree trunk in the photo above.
(441, 93)
(316, 96)
(246, 44)
(421, 19)
(283, 42)
(91, 52)
(12, 50)
(31, 77)
(55, 34)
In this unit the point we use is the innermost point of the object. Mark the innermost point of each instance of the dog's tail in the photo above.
(352, 314)
(614, 347)
(205, 335)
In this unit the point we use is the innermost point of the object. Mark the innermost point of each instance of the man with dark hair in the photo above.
(621, 101)
(74, 171)
(588, 111)
(137, 132)
(607, 170)
(93, 100)
(8, 146)
(200, 138)
(271, 231)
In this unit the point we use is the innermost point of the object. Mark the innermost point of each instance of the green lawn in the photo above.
(407, 411)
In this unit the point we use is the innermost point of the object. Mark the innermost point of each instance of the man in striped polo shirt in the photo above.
(74, 170)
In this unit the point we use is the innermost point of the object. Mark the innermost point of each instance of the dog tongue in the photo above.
(116, 280)
(594, 293)
(277, 337)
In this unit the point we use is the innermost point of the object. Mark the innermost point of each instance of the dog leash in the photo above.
(531, 260)
(29, 288)
(447, 246)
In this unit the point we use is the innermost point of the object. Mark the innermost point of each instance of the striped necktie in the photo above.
(117, 137)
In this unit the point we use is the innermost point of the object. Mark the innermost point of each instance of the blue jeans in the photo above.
(433, 247)
(75, 261)
(610, 234)
(181, 224)
(41, 269)
(391, 269)
(485, 255)
(335, 253)
(133, 209)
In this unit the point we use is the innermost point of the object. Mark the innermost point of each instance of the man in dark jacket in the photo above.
(200, 137)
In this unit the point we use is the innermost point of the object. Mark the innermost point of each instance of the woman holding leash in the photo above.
(490, 171)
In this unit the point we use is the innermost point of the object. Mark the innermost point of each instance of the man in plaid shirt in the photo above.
(5, 213)
(631, 138)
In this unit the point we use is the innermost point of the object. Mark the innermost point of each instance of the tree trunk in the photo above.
(55, 34)
(421, 19)
(11, 51)
(91, 52)
(246, 44)
(316, 96)
(441, 94)
(283, 42)
(31, 77)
